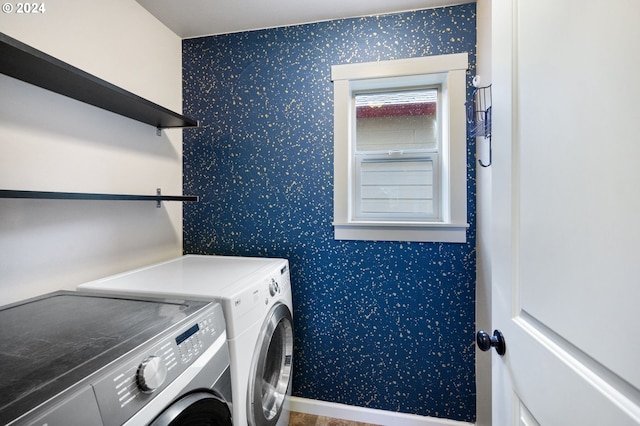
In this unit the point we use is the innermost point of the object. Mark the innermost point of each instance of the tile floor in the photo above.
(301, 419)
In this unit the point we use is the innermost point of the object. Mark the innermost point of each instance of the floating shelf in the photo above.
(6, 193)
(30, 65)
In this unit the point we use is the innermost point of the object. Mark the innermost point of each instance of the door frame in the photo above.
(483, 220)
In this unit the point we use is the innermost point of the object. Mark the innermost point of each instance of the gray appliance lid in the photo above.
(54, 341)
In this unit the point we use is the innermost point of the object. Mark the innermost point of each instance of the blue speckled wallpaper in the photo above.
(383, 325)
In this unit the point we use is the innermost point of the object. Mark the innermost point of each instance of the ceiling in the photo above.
(196, 18)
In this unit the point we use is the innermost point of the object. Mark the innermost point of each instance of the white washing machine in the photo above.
(255, 294)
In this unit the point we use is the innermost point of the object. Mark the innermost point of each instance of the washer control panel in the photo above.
(138, 377)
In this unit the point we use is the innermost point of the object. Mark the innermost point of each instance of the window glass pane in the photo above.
(397, 121)
(397, 188)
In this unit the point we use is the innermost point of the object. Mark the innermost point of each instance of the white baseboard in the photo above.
(365, 415)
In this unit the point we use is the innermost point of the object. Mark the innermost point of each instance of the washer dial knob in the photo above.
(151, 374)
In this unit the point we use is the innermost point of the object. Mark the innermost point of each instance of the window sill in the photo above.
(392, 231)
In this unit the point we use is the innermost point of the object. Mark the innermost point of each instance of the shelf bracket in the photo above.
(158, 131)
(159, 194)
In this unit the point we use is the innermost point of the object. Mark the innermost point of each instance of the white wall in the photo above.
(52, 143)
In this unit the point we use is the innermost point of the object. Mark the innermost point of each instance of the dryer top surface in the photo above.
(195, 276)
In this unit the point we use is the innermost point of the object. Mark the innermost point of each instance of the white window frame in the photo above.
(447, 71)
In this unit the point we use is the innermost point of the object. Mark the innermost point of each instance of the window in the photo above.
(396, 155)
(400, 150)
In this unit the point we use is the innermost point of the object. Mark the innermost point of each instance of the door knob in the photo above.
(485, 341)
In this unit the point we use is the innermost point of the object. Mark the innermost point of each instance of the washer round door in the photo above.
(198, 408)
(271, 370)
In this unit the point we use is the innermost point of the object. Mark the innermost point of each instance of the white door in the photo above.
(566, 212)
